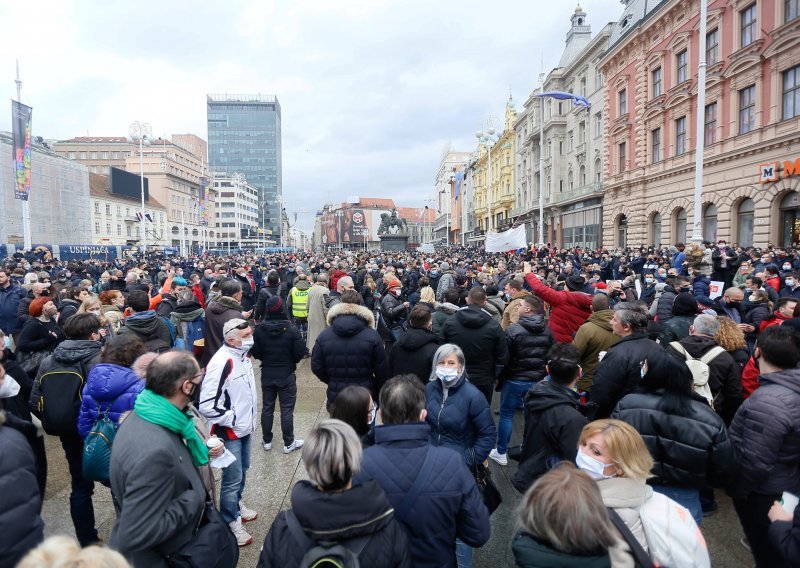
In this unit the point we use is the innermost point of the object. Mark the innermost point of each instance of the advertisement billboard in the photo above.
(21, 126)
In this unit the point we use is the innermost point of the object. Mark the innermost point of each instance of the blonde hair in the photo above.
(625, 445)
(426, 294)
(332, 454)
(729, 336)
(88, 303)
(64, 552)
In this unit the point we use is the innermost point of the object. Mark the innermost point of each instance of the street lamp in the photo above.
(489, 139)
(141, 133)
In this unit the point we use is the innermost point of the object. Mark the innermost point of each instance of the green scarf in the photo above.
(161, 412)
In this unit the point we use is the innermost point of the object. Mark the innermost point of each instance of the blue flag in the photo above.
(577, 99)
(459, 179)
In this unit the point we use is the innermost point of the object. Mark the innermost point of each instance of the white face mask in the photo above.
(790, 282)
(9, 387)
(247, 344)
(753, 298)
(448, 375)
(593, 466)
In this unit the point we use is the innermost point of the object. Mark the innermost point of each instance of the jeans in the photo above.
(689, 497)
(463, 554)
(233, 478)
(487, 391)
(81, 508)
(511, 395)
(752, 512)
(286, 392)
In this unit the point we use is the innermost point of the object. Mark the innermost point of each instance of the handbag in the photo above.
(213, 545)
(30, 361)
(483, 478)
(97, 450)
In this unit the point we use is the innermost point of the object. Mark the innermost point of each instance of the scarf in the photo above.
(159, 411)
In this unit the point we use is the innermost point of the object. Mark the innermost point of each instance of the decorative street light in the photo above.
(141, 133)
(489, 139)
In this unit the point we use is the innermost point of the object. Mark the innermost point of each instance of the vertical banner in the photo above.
(21, 124)
(203, 207)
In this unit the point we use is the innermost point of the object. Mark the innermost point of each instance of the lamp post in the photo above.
(141, 133)
(489, 139)
(697, 228)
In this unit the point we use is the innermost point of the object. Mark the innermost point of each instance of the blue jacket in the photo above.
(678, 259)
(9, 304)
(111, 387)
(701, 288)
(461, 421)
(449, 505)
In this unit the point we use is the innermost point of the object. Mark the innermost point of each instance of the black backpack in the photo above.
(60, 395)
(326, 554)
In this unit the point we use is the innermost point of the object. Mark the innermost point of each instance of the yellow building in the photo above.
(501, 187)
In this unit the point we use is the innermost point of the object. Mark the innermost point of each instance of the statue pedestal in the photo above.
(394, 243)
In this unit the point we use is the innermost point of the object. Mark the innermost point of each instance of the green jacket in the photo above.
(531, 553)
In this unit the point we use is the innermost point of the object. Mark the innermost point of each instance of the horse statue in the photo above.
(389, 222)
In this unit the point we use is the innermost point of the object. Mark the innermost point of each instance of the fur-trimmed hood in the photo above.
(342, 309)
(446, 307)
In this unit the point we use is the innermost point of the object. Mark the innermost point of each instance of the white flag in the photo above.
(512, 239)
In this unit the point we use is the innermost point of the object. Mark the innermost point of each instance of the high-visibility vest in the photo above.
(299, 303)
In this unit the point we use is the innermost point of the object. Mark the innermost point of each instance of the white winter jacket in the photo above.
(228, 395)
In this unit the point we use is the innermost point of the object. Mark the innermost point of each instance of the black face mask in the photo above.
(192, 390)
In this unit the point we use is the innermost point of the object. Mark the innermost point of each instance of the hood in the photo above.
(223, 303)
(361, 510)
(602, 319)
(623, 492)
(274, 328)
(445, 307)
(473, 317)
(109, 381)
(143, 323)
(696, 345)
(520, 294)
(74, 350)
(187, 307)
(788, 378)
(303, 285)
(187, 315)
(349, 319)
(416, 338)
(534, 323)
(106, 308)
(547, 394)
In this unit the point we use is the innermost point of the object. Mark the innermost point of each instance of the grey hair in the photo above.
(322, 277)
(332, 454)
(632, 314)
(705, 324)
(344, 280)
(444, 352)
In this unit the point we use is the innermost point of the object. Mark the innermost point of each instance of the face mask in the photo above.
(789, 282)
(192, 390)
(787, 266)
(95, 312)
(7, 342)
(753, 298)
(764, 261)
(434, 273)
(593, 466)
(649, 280)
(397, 291)
(372, 414)
(247, 344)
(9, 387)
(448, 375)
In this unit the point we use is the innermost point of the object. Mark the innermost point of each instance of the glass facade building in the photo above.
(244, 137)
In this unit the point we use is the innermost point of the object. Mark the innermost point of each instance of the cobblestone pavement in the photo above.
(272, 475)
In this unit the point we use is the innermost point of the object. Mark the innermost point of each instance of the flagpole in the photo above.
(541, 161)
(26, 210)
(697, 230)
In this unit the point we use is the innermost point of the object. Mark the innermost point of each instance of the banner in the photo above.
(512, 239)
(21, 124)
(715, 289)
(203, 208)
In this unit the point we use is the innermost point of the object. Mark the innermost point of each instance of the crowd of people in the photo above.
(649, 380)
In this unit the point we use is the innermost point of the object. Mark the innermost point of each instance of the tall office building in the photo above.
(244, 137)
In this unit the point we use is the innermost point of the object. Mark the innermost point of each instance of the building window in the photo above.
(791, 10)
(655, 138)
(711, 123)
(598, 125)
(108, 229)
(748, 25)
(712, 46)
(83, 155)
(656, 229)
(710, 223)
(108, 209)
(115, 155)
(656, 79)
(128, 231)
(682, 64)
(747, 109)
(623, 102)
(744, 216)
(94, 155)
(97, 207)
(598, 171)
(72, 155)
(791, 92)
(104, 155)
(97, 228)
(680, 226)
(621, 155)
(119, 230)
(119, 211)
(598, 78)
(680, 136)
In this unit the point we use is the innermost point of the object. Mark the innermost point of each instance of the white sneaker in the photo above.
(296, 445)
(267, 446)
(502, 459)
(247, 514)
(242, 537)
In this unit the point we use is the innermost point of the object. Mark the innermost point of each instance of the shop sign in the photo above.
(771, 172)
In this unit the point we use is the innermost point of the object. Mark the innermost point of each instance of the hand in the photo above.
(526, 268)
(247, 314)
(54, 334)
(778, 513)
(218, 451)
(406, 304)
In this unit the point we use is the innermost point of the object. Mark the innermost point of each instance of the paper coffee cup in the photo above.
(789, 502)
(213, 442)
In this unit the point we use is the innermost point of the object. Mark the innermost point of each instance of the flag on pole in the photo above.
(421, 214)
(21, 145)
(459, 179)
(562, 96)
(513, 239)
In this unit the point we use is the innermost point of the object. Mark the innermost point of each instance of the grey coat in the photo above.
(158, 494)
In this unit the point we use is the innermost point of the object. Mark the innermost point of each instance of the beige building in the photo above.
(98, 153)
(115, 220)
(751, 118)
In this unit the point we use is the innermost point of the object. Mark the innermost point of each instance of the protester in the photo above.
(146, 324)
(593, 338)
(317, 312)
(569, 308)
(219, 311)
(444, 311)
(40, 335)
(354, 406)
(59, 551)
(11, 295)
(684, 310)
(413, 351)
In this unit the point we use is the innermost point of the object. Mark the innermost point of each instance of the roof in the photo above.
(96, 140)
(635, 12)
(411, 214)
(100, 187)
(376, 202)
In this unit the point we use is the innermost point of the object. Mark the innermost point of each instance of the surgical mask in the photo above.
(787, 266)
(95, 312)
(434, 273)
(591, 465)
(790, 282)
(372, 414)
(7, 342)
(9, 387)
(448, 375)
(753, 298)
(649, 280)
(247, 344)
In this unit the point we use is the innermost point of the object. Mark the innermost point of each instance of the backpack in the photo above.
(326, 554)
(673, 538)
(193, 331)
(699, 369)
(97, 449)
(60, 395)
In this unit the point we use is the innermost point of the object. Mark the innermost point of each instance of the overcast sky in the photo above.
(371, 90)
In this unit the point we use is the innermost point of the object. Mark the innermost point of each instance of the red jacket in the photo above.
(198, 294)
(749, 378)
(775, 319)
(568, 310)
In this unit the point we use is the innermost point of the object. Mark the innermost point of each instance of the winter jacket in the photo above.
(350, 352)
(460, 419)
(23, 311)
(393, 310)
(297, 299)
(218, 311)
(626, 496)
(648, 294)
(620, 371)
(21, 525)
(701, 288)
(675, 329)
(228, 395)
(316, 313)
(756, 313)
(496, 303)
(554, 418)
(785, 538)
(511, 312)
(68, 309)
(665, 301)
(787, 292)
(10, 297)
(532, 553)
(183, 314)
(568, 310)
(108, 387)
(280, 347)
(766, 431)
(146, 325)
(482, 340)
(362, 510)
(724, 378)
(413, 354)
(775, 319)
(441, 315)
(248, 292)
(446, 280)
(529, 340)
(449, 504)
(36, 336)
(690, 450)
(592, 338)
(265, 294)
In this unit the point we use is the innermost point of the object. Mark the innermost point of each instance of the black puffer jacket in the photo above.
(394, 311)
(529, 340)
(279, 346)
(689, 451)
(620, 371)
(665, 301)
(350, 352)
(413, 353)
(554, 419)
(766, 431)
(360, 511)
(756, 313)
(482, 340)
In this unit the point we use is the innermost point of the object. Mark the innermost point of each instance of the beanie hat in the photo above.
(684, 305)
(394, 284)
(445, 266)
(274, 308)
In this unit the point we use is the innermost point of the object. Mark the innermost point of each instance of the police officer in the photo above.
(298, 303)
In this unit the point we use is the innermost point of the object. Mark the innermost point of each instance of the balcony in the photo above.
(591, 190)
